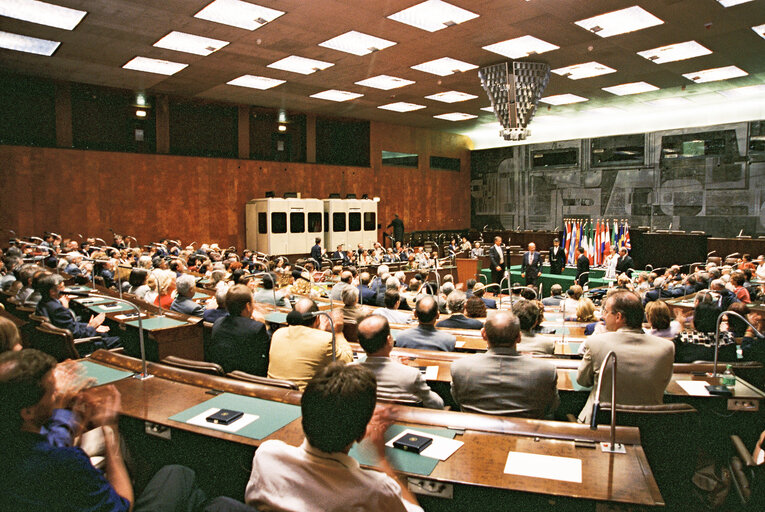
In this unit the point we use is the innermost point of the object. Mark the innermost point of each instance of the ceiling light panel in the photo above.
(675, 52)
(677, 101)
(189, 43)
(731, 3)
(27, 44)
(760, 30)
(433, 15)
(585, 70)
(444, 66)
(745, 92)
(620, 22)
(42, 13)
(255, 82)
(451, 96)
(335, 95)
(521, 47)
(300, 65)
(631, 88)
(238, 14)
(384, 82)
(455, 116)
(158, 66)
(715, 74)
(402, 106)
(562, 99)
(357, 43)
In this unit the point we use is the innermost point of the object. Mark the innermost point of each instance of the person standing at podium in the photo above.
(398, 228)
(557, 258)
(497, 259)
(531, 264)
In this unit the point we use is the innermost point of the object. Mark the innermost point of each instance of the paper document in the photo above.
(110, 307)
(200, 421)
(431, 372)
(441, 448)
(694, 387)
(534, 465)
(459, 344)
(129, 316)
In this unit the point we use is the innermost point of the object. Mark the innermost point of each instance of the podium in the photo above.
(467, 268)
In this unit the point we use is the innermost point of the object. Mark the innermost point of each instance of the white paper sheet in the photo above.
(126, 317)
(431, 372)
(694, 387)
(441, 448)
(110, 307)
(550, 467)
(460, 344)
(200, 421)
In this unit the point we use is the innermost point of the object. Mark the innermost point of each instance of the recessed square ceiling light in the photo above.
(675, 52)
(521, 47)
(745, 92)
(433, 15)
(586, 70)
(715, 74)
(238, 14)
(451, 96)
(759, 30)
(631, 88)
(27, 44)
(42, 13)
(384, 82)
(455, 116)
(300, 65)
(189, 43)
(677, 101)
(562, 99)
(731, 3)
(161, 67)
(444, 66)
(620, 22)
(335, 95)
(401, 106)
(255, 82)
(357, 43)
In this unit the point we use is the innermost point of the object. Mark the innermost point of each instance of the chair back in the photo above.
(266, 381)
(55, 341)
(206, 338)
(193, 365)
(748, 477)
(38, 319)
(24, 312)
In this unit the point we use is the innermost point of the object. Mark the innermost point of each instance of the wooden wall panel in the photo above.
(203, 199)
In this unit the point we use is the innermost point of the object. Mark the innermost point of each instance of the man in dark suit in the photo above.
(398, 228)
(368, 295)
(531, 264)
(557, 258)
(624, 263)
(582, 267)
(238, 342)
(498, 260)
(456, 304)
(340, 254)
(183, 302)
(316, 251)
(425, 336)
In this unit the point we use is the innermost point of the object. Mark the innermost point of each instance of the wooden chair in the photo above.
(266, 381)
(59, 342)
(193, 365)
(748, 477)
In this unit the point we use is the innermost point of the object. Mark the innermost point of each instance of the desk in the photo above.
(566, 279)
(475, 470)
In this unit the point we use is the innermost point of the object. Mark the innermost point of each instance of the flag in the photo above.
(590, 243)
(606, 239)
(627, 237)
(615, 235)
(598, 254)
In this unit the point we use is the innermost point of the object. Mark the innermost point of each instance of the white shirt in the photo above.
(303, 479)
(498, 248)
(760, 272)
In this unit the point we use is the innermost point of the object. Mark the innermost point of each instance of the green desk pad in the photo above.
(92, 301)
(574, 383)
(201, 295)
(271, 415)
(276, 318)
(573, 348)
(103, 374)
(157, 323)
(116, 309)
(401, 460)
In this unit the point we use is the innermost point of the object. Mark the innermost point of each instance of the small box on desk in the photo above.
(413, 443)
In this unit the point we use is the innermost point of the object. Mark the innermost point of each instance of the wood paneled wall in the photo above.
(201, 199)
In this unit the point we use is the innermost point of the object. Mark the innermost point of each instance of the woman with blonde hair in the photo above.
(585, 311)
(166, 286)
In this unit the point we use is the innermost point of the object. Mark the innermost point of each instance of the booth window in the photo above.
(354, 221)
(445, 163)
(297, 222)
(279, 222)
(400, 159)
(369, 221)
(314, 222)
(326, 222)
(338, 221)
(262, 223)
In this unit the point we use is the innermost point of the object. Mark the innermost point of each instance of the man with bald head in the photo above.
(300, 350)
(394, 380)
(530, 267)
(501, 380)
(346, 278)
(425, 336)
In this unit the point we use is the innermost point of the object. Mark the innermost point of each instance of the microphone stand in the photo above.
(499, 293)
(613, 447)
(717, 335)
(273, 283)
(332, 327)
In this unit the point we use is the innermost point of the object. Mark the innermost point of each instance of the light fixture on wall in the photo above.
(282, 128)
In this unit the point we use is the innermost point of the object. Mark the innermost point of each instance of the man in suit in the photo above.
(183, 302)
(478, 290)
(497, 259)
(557, 258)
(624, 263)
(456, 304)
(398, 228)
(502, 381)
(238, 342)
(316, 251)
(644, 362)
(556, 296)
(582, 267)
(530, 267)
(528, 316)
(367, 295)
(425, 336)
(394, 379)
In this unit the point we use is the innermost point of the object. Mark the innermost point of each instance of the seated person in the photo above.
(183, 302)
(212, 314)
(238, 342)
(527, 313)
(568, 306)
(165, 284)
(351, 309)
(267, 295)
(478, 291)
(137, 282)
(10, 340)
(425, 336)
(456, 304)
(394, 380)
(753, 345)
(319, 476)
(345, 280)
(390, 311)
(475, 308)
(660, 321)
(585, 311)
(26, 274)
(556, 296)
(502, 381)
(698, 344)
